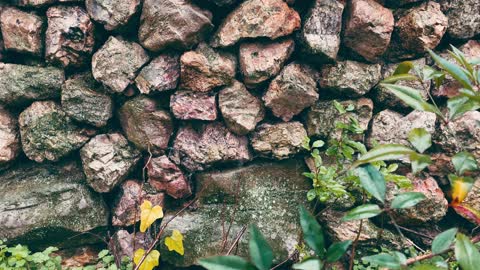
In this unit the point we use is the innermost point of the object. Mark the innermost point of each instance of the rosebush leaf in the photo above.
(411, 97)
(443, 241)
(407, 199)
(466, 253)
(454, 70)
(149, 214)
(225, 263)
(420, 139)
(260, 251)
(336, 250)
(309, 264)
(464, 162)
(312, 232)
(384, 260)
(372, 181)
(419, 162)
(362, 212)
(384, 152)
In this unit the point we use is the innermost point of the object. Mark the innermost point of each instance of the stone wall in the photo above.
(104, 102)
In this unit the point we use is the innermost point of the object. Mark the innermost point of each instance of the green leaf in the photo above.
(400, 77)
(460, 58)
(419, 162)
(426, 267)
(459, 105)
(411, 97)
(260, 251)
(312, 232)
(407, 199)
(363, 212)
(466, 253)
(420, 139)
(454, 70)
(383, 260)
(464, 162)
(443, 241)
(318, 144)
(372, 181)
(384, 152)
(103, 253)
(404, 68)
(336, 250)
(339, 107)
(225, 263)
(309, 264)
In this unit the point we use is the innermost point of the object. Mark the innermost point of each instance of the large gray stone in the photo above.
(112, 13)
(463, 18)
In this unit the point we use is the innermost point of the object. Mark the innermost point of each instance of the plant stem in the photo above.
(354, 245)
(239, 236)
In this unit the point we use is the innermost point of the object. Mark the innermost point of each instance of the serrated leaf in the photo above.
(309, 264)
(260, 251)
(372, 181)
(225, 263)
(336, 250)
(312, 232)
(407, 200)
(400, 77)
(384, 260)
(466, 253)
(384, 152)
(419, 162)
(362, 212)
(148, 214)
(454, 70)
(464, 162)
(443, 241)
(151, 260)
(411, 97)
(175, 242)
(420, 138)
(461, 186)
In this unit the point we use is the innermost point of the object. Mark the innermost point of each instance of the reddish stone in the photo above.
(124, 243)
(190, 105)
(78, 257)
(21, 31)
(161, 74)
(112, 14)
(164, 175)
(9, 137)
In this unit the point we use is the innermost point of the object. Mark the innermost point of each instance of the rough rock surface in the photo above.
(116, 63)
(69, 39)
(392, 127)
(47, 133)
(293, 90)
(107, 159)
(259, 61)
(349, 78)
(320, 35)
(21, 31)
(399, 3)
(368, 28)
(145, 124)
(206, 68)
(20, 84)
(172, 23)
(78, 257)
(39, 3)
(126, 205)
(278, 141)
(164, 175)
(214, 144)
(9, 137)
(257, 18)
(161, 74)
(262, 193)
(83, 99)
(112, 14)
(463, 18)
(241, 110)
(44, 203)
(124, 245)
(190, 105)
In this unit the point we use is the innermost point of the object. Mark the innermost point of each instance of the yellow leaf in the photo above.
(175, 242)
(150, 261)
(149, 214)
(461, 186)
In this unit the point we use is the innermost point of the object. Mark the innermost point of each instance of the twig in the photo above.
(286, 260)
(401, 234)
(225, 240)
(415, 232)
(239, 235)
(354, 245)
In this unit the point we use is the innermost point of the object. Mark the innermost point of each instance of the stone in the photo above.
(257, 18)
(391, 127)
(115, 64)
(126, 204)
(241, 110)
(368, 29)
(84, 100)
(175, 24)
(399, 3)
(21, 31)
(293, 90)
(349, 78)
(78, 257)
(469, 208)
(47, 133)
(164, 175)
(278, 141)
(160, 75)
(198, 148)
(205, 68)
(463, 18)
(266, 194)
(321, 117)
(191, 105)
(48, 203)
(39, 3)
(69, 37)
(145, 124)
(320, 35)
(223, 3)
(441, 167)
(112, 14)
(9, 137)
(260, 61)
(107, 160)
(124, 243)
(21, 84)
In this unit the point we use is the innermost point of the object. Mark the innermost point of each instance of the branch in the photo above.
(239, 236)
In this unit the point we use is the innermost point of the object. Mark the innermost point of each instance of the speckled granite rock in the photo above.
(112, 13)
(160, 75)
(9, 137)
(164, 175)
(123, 243)
(22, 31)
(463, 18)
(192, 105)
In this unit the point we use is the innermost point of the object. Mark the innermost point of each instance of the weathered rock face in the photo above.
(172, 23)
(214, 143)
(146, 124)
(257, 18)
(39, 3)
(83, 99)
(205, 69)
(349, 78)
(278, 141)
(463, 18)
(48, 203)
(161, 74)
(125, 244)
(126, 206)
(392, 127)
(9, 137)
(320, 35)
(107, 159)
(47, 133)
(78, 257)
(368, 29)
(69, 37)
(260, 61)
(291, 92)
(190, 105)
(241, 110)
(112, 14)
(116, 63)
(21, 31)
(262, 193)
(164, 175)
